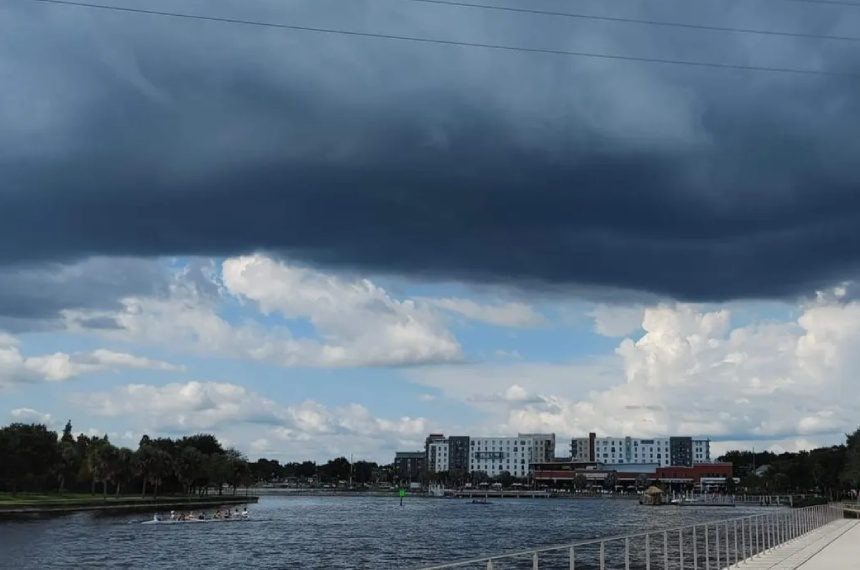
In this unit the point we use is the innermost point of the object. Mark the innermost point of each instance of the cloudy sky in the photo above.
(315, 244)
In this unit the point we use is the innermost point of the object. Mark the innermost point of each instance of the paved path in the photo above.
(835, 546)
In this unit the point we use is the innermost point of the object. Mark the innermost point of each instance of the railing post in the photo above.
(768, 519)
(627, 553)
(647, 551)
(695, 550)
(735, 525)
(572, 559)
(602, 556)
(707, 551)
(535, 560)
(665, 550)
(726, 536)
(681, 549)
(779, 529)
(717, 543)
(489, 565)
(755, 524)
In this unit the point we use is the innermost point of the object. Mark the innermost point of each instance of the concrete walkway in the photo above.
(835, 546)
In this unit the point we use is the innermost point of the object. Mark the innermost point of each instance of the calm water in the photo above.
(332, 532)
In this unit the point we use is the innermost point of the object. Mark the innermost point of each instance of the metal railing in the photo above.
(704, 546)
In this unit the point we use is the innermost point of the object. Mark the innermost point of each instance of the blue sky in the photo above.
(375, 369)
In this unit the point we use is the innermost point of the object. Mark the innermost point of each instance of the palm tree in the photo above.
(152, 465)
(69, 463)
(141, 465)
(98, 462)
(160, 467)
(103, 458)
(123, 469)
(188, 466)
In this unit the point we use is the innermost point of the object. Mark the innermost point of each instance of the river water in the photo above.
(333, 532)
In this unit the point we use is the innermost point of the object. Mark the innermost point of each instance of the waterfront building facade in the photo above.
(495, 455)
(458, 453)
(662, 451)
(438, 455)
(447, 453)
(409, 465)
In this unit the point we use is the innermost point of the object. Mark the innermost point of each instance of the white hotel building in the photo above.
(663, 451)
(493, 455)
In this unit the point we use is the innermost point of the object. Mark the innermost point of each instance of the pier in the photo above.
(500, 494)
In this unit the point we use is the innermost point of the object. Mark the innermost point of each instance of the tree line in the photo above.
(333, 471)
(830, 471)
(34, 458)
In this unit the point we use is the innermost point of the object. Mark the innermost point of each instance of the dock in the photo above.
(500, 494)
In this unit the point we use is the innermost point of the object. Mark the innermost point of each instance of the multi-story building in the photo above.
(447, 454)
(458, 453)
(495, 455)
(438, 455)
(409, 465)
(701, 451)
(543, 446)
(432, 447)
(665, 451)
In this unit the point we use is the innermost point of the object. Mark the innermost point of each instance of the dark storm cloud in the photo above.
(142, 137)
(34, 296)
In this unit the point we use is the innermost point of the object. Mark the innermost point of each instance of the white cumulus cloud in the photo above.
(60, 366)
(355, 322)
(691, 371)
(29, 415)
(359, 322)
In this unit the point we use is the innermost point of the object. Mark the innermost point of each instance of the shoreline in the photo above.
(460, 495)
(59, 506)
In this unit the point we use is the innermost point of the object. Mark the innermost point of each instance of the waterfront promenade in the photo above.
(831, 547)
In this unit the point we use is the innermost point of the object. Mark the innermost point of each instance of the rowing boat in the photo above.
(195, 521)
